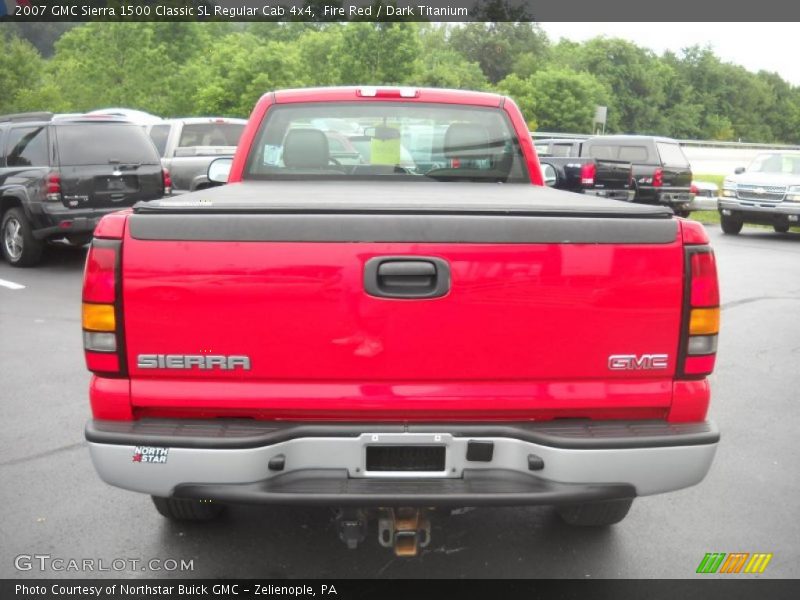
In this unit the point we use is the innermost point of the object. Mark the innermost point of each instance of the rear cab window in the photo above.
(210, 134)
(399, 140)
(104, 143)
(561, 150)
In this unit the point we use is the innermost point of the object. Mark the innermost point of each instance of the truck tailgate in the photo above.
(542, 289)
(613, 174)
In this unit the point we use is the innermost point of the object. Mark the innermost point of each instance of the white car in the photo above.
(705, 195)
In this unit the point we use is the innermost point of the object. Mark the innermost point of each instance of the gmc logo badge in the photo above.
(631, 362)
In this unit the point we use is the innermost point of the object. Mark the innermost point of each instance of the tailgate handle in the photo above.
(406, 277)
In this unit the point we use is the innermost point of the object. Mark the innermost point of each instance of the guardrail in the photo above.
(698, 143)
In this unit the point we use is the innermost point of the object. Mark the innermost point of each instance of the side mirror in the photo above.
(550, 175)
(218, 170)
(739, 170)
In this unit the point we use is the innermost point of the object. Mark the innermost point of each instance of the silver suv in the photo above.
(767, 192)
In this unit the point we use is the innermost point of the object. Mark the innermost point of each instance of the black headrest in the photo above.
(466, 140)
(306, 149)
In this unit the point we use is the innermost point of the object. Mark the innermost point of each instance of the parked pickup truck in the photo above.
(608, 178)
(766, 193)
(187, 146)
(392, 340)
(660, 171)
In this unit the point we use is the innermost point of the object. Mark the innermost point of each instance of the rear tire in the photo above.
(683, 213)
(781, 228)
(19, 246)
(730, 225)
(186, 509)
(595, 514)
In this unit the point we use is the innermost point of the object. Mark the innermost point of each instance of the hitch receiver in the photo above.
(404, 529)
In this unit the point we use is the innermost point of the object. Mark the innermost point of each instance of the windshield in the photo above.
(104, 143)
(776, 163)
(399, 140)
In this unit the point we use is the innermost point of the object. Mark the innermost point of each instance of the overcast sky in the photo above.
(755, 46)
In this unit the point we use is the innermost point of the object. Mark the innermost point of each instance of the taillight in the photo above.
(694, 190)
(54, 186)
(101, 317)
(701, 321)
(588, 171)
(658, 177)
(167, 178)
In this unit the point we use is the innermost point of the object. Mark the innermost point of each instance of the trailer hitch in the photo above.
(404, 529)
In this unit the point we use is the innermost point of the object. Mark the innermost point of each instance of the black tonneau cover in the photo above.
(399, 212)
(398, 197)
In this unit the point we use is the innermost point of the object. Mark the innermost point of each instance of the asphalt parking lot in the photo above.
(56, 505)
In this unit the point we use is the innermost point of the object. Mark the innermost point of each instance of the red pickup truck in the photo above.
(422, 327)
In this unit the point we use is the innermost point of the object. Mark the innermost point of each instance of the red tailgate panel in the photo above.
(545, 316)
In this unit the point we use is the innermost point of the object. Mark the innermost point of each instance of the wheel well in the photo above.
(7, 202)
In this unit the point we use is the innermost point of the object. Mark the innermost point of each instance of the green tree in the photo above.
(237, 71)
(21, 75)
(318, 50)
(42, 35)
(378, 53)
(496, 46)
(113, 64)
(185, 69)
(683, 108)
(557, 99)
(735, 103)
(634, 76)
(524, 95)
(439, 65)
(784, 118)
(716, 127)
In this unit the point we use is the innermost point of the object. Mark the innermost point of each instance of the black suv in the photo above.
(58, 176)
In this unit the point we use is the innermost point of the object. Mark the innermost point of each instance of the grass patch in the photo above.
(718, 179)
(706, 217)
